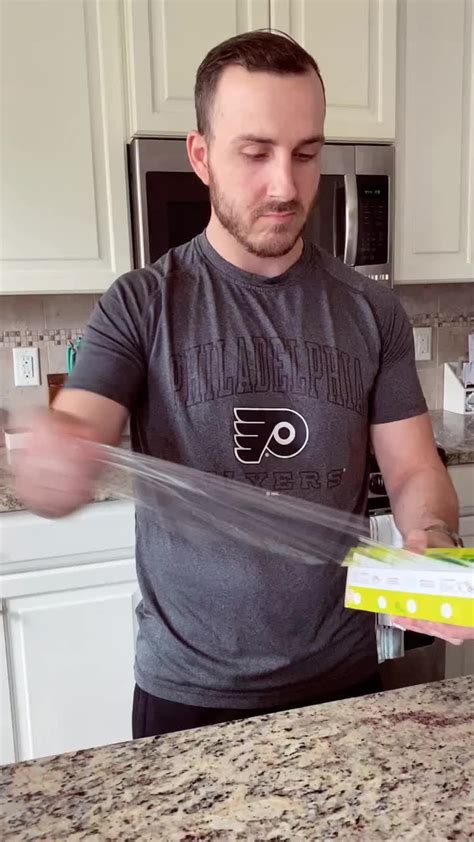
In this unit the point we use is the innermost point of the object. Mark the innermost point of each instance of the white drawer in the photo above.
(463, 480)
(96, 528)
(466, 530)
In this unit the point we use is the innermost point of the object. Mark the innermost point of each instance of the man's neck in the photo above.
(232, 251)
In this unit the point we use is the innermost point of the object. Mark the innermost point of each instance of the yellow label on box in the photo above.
(455, 610)
(438, 587)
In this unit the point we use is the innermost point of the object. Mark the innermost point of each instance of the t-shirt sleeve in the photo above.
(112, 359)
(396, 393)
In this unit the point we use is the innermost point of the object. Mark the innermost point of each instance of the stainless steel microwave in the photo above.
(352, 217)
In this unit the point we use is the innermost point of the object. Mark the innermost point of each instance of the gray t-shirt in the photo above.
(191, 346)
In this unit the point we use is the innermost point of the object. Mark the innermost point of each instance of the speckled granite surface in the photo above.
(111, 486)
(109, 489)
(395, 766)
(453, 432)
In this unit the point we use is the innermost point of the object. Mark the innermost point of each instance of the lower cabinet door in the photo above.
(7, 748)
(466, 530)
(71, 658)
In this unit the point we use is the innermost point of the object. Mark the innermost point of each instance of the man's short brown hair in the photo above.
(261, 50)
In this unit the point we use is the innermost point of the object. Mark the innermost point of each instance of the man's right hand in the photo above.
(56, 472)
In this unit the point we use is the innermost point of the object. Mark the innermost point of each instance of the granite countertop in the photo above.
(453, 432)
(393, 766)
(10, 503)
(112, 485)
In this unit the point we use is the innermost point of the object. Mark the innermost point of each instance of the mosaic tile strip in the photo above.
(430, 320)
(60, 336)
(41, 339)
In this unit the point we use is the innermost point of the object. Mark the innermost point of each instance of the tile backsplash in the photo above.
(49, 321)
(449, 310)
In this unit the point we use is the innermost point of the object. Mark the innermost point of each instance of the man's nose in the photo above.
(282, 183)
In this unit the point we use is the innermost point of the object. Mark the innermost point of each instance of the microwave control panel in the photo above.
(373, 200)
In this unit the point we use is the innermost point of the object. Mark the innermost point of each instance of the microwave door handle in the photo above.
(335, 221)
(352, 220)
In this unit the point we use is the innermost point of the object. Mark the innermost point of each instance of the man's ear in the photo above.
(196, 146)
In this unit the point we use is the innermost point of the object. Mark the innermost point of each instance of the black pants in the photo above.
(153, 716)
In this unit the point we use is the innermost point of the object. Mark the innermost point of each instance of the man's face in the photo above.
(263, 160)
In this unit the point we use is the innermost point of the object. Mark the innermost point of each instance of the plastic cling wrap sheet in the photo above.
(206, 509)
(199, 505)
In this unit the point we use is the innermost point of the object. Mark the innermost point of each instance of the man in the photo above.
(247, 321)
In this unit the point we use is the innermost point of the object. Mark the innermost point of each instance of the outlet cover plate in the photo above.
(26, 369)
(422, 336)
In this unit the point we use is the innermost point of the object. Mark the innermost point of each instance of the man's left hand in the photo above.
(418, 541)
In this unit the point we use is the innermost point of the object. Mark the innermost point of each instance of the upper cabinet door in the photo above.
(166, 42)
(434, 236)
(354, 44)
(63, 198)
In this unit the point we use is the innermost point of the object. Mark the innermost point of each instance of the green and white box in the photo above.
(438, 586)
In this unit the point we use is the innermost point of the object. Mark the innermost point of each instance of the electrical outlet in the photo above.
(422, 337)
(26, 367)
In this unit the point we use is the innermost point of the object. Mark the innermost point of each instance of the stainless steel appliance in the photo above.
(352, 218)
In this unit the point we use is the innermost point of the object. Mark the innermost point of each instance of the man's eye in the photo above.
(301, 156)
(256, 156)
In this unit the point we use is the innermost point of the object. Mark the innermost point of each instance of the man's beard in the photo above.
(276, 243)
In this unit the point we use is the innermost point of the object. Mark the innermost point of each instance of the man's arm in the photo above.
(56, 473)
(103, 418)
(421, 495)
(420, 490)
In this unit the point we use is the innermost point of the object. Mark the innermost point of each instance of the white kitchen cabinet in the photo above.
(166, 41)
(466, 529)
(71, 654)
(64, 205)
(354, 44)
(7, 747)
(434, 236)
(460, 659)
(69, 592)
(462, 477)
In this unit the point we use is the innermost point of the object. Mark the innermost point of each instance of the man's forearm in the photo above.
(424, 499)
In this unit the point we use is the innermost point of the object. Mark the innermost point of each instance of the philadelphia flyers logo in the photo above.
(282, 432)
